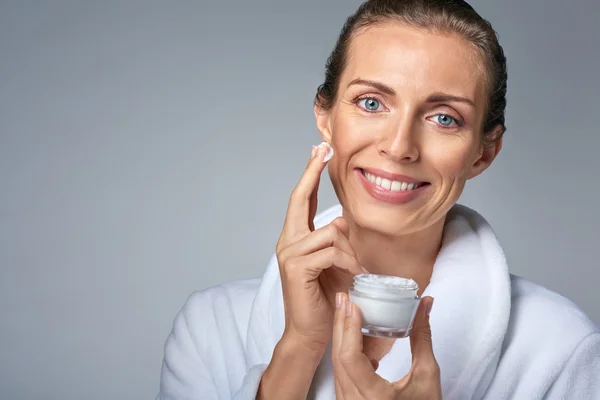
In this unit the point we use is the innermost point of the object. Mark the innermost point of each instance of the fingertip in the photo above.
(341, 224)
(374, 364)
(320, 151)
(424, 310)
(340, 305)
(314, 152)
(425, 304)
(429, 307)
(349, 309)
(353, 315)
(421, 319)
(316, 157)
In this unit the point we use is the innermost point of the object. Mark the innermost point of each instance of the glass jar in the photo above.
(388, 304)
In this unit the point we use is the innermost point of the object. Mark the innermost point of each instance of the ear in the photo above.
(323, 125)
(487, 154)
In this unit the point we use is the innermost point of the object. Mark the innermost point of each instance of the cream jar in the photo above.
(388, 304)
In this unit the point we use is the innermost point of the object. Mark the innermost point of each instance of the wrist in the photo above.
(297, 347)
(291, 369)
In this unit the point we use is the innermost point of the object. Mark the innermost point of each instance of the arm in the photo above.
(290, 371)
(200, 359)
(580, 376)
(185, 372)
(204, 356)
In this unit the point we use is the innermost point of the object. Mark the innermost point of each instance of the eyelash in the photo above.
(367, 97)
(459, 123)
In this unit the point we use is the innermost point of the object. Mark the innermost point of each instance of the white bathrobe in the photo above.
(495, 335)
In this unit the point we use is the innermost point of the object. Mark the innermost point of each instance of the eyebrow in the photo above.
(442, 98)
(377, 85)
(434, 98)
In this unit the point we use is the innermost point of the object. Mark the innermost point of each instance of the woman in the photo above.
(413, 107)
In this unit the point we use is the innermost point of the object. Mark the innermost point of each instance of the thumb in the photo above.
(420, 337)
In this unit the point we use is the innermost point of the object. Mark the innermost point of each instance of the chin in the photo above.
(392, 220)
(383, 219)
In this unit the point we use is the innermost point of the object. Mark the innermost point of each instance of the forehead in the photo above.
(409, 58)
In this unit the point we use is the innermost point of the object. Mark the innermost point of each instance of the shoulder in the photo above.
(223, 306)
(545, 328)
(204, 354)
(549, 343)
(540, 309)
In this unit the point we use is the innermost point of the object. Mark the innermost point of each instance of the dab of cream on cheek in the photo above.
(329, 149)
(388, 304)
(329, 152)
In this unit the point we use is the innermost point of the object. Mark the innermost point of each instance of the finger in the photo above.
(327, 236)
(312, 264)
(338, 325)
(421, 344)
(344, 386)
(342, 225)
(375, 364)
(339, 395)
(314, 198)
(355, 363)
(338, 329)
(313, 205)
(298, 218)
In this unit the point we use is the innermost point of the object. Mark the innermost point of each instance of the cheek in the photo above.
(352, 131)
(348, 135)
(451, 159)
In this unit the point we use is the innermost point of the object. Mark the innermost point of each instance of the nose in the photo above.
(399, 142)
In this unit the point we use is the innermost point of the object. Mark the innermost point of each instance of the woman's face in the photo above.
(406, 127)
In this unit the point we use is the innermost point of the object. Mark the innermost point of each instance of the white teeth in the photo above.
(394, 186)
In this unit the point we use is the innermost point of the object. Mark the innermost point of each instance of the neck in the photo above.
(408, 256)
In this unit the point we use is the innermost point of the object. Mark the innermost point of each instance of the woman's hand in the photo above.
(303, 253)
(355, 377)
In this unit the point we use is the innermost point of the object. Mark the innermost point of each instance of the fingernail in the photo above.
(349, 308)
(319, 151)
(364, 270)
(338, 300)
(429, 307)
(314, 152)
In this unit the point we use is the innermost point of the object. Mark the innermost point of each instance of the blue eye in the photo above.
(445, 120)
(370, 104)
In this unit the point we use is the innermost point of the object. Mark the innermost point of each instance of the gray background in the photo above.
(148, 148)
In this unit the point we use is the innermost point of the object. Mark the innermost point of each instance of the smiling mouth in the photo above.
(392, 186)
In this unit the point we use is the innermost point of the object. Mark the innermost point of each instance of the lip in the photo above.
(388, 196)
(392, 177)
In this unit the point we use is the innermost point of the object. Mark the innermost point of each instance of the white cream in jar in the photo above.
(388, 304)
